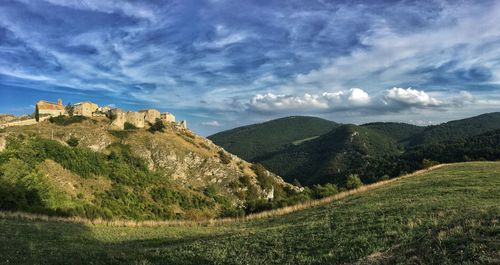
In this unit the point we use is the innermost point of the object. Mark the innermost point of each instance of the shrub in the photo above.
(65, 121)
(122, 135)
(158, 126)
(265, 180)
(353, 182)
(129, 126)
(73, 142)
(322, 191)
(70, 109)
(427, 163)
(225, 158)
(384, 177)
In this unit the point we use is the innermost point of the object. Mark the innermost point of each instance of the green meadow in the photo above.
(449, 215)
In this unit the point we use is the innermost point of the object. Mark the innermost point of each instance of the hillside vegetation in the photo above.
(77, 167)
(445, 216)
(376, 151)
(331, 157)
(259, 140)
(458, 130)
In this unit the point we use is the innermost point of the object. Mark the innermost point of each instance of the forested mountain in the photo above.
(373, 150)
(400, 132)
(458, 129)
(258, 140)
(331, 157)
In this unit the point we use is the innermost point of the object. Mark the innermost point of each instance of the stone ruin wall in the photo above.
(135, 118)
(150, 115)
(85, 109)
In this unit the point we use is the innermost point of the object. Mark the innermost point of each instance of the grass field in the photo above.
(445, 216)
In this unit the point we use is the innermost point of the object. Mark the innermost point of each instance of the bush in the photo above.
(225, 158)
(70, 109)
(158, 126)
(65, 121)
(322, 191)
(265, 180)
(73, 142)
(427, 163)
(353, 182)
(129, 126)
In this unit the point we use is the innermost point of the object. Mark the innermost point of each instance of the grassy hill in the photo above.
(445, 216)
(459, 129)
(77, 167)
(258, 140)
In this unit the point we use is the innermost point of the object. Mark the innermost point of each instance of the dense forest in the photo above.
(374, 151)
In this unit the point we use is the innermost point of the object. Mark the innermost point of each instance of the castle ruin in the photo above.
(150, 115)
(45, 109)
(140, 119)
(86, 109)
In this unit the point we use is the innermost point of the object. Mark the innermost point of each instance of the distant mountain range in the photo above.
(316, 151)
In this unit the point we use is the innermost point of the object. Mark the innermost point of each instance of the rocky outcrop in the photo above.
(3, 143)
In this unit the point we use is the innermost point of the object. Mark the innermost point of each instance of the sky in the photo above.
(220, 64)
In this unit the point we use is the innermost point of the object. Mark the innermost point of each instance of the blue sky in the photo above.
(221, 64)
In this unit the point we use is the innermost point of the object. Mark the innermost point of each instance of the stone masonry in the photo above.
(46, 108)
(150, 115)
(85, 109)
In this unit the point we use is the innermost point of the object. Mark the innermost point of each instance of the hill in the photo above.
(259, 140)
(78, 167)
(400, 132)
(382, 150)
(420, 219)
(459, 129)
(481, 147)
(331, 157)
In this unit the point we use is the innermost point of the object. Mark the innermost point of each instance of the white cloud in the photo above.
(354, 97)
(211, 123)
(310, 102)
(410, 97)
(464, 97)
(356, 100)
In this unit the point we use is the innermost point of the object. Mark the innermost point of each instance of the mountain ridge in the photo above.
(330, 157)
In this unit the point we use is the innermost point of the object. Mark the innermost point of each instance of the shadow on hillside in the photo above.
(40, 242)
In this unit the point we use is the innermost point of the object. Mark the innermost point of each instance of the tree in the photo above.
(353, 182)
(73, 142)
(158, 126)
(70, 109)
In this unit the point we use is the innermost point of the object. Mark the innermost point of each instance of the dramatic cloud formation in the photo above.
(411, 97)
(311, 103)
(224, 60)
(355, 100)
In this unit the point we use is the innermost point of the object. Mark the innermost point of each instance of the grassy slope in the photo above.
(252, 141)
(446, 216)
